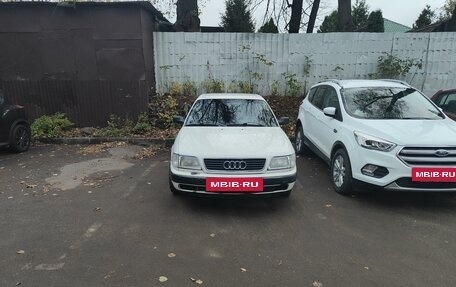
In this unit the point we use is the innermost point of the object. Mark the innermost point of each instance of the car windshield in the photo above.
(389, 103)
(231, 112)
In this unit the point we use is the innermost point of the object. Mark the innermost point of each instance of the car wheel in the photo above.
(341, 175)
(173, 189)
(300, 146)
(20, 138)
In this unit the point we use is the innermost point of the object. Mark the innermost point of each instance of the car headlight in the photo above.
(374, 143)
(283, 162)
(185, 161)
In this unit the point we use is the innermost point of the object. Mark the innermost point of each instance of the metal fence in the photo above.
(86, 103)
(272, 63)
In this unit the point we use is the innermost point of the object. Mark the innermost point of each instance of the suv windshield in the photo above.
(388, 103)
(231, 112)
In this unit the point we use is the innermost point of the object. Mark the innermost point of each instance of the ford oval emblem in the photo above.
(442, 153)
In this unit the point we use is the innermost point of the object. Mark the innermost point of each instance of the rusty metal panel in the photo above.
(87, 103)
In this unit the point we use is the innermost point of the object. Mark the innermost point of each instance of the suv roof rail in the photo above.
(396, 81)
(335, 81)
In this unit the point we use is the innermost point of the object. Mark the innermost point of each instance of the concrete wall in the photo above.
(266, 60)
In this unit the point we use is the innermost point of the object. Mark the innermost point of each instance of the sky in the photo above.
(402, 11)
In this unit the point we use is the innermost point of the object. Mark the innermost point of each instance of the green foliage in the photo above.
(392, 67)
(175, 89)
(167, 109)
(360, 14)
(375, 22)
(142, 125)
(212, 85)
(114, 128)
(237, 17)
(275, 88)
(293, 88)
(426, 18)
(330, 23)
(262, 58)
(269, 27)
(448, 9)
(245, 87)
(50, 126)
(189, 88)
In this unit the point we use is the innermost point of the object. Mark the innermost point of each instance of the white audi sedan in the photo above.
(232, 144)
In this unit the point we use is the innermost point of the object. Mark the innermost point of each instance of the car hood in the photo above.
(412, 132)
(239, 142)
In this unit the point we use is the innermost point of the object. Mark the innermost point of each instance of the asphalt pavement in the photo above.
(72, 218)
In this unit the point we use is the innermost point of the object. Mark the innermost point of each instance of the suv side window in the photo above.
(331, 100)
(312, 93)
(317, 99)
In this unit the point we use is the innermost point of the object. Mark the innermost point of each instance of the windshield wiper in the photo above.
(246, 125)
(204, 125)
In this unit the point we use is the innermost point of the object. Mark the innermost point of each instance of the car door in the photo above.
(328, 126)
(312, 113)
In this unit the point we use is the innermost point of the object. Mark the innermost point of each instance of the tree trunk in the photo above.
(345, 17)
(187, 16)
(295, 19)
(313, 16)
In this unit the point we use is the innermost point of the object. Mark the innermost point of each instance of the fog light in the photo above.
(374, 171)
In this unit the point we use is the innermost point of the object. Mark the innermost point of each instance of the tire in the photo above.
(341, 174)
(173, 189)
(300, 146)
(20, 138)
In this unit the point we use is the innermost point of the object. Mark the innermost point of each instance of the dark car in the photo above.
(14, 128)
(446, 100)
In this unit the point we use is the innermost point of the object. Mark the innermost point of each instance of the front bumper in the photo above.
(271, 185)
(399, 177)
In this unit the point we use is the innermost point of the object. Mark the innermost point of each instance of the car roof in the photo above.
(347, 84)
(230, 96)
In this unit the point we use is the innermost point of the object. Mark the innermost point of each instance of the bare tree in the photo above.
(345, 16)
(313, 16)
(296, 14)
(187, 16)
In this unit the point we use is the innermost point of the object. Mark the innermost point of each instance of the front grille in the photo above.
(408, 183)
(252, 164)
(428, 156)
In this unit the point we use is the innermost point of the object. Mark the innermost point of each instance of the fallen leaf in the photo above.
(243, 270)
(197, 281)
(317, 284)
(171, 255)
(162, 279)
(20, 252)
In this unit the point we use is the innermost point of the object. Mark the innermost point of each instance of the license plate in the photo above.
(422, 174)
(241, 185)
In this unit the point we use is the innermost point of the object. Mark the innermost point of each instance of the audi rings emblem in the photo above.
(235, 164)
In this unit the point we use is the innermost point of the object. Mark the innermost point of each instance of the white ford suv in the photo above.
(232, 144)
(378, 133)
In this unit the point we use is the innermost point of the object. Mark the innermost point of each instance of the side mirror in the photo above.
(284, 120)
(330, 111)
(178, 120)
